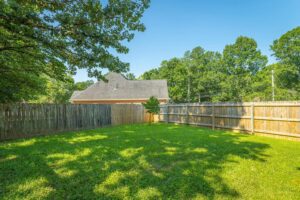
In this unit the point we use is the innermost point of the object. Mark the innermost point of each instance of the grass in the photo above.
(159, 161)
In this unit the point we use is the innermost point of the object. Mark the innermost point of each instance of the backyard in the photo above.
(158, 161)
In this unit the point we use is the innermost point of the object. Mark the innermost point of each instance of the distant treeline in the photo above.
(239, 73)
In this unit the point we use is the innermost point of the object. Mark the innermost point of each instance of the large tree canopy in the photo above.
(287, 51)
(204, 73)
(243, 57)
(287, 47)
(52, 37)
(241, 61)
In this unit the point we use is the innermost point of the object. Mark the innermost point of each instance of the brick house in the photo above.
(119, 90)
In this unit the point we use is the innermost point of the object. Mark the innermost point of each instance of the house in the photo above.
(119, 90)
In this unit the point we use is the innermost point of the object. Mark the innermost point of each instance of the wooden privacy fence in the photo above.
(280, 118)
(128, 114)
(27, 120)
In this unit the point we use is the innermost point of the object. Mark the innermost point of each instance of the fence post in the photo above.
(167, 113)
(252, 118)
(187, 114)
(213, 116)
(159, 113)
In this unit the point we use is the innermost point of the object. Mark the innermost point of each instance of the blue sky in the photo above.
(175, 26)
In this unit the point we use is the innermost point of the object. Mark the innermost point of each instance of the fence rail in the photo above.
(27, 120)
(280, 118)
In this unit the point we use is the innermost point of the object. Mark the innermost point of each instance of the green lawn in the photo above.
(159, 161)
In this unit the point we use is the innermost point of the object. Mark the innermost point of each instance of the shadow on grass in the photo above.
(138, 161)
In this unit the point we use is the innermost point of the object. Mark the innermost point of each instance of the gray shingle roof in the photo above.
(119, 87)
(75, 93)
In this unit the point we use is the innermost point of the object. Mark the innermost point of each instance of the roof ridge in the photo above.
(149, 80)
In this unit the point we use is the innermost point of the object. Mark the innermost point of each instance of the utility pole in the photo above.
(189, 81)
(273, 86)
(189, 88)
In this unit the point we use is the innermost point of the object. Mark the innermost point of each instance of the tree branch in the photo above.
(18, 47)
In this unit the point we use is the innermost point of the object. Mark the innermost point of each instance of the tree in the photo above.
(175, 71)
(53, 38)
(286, 84)
(241, 61)
(243, 57)
(205, 74)
(20, 82)
(287, 48)
(56, 91)
(287, 51)
(83, 85)
(152, 74)
(198, 71)
(130, 76)
(152, 107)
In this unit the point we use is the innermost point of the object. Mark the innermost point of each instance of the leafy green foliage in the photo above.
(53, 38)
(287, 83)
(152, 105)
(17, 85)
(83, 85)
(203, 68)
(287, 51)
(161, 161)
(287, 47)
(152, 74)
(60, 91)
(243, 57)
(130, 76)
(211, 76)
(56, 91)
(240, 73)
(176, 73)
(241, 61)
